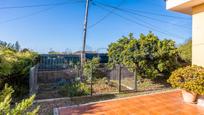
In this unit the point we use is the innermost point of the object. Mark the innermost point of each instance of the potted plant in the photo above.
(191, 80)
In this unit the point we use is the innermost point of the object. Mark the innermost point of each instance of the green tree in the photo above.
(185, 51)
(19, 108)
(6, 45)
(14, 68)
(150, 56)
(17, 46)
(115, 50)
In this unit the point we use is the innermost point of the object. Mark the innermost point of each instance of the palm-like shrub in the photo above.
(190, 78)
(19, 108)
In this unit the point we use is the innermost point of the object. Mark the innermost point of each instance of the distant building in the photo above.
(79, 52)
(90, 54)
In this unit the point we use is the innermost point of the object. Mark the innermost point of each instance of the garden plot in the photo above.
(70, 89)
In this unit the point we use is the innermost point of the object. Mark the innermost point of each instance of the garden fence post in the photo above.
(36, 78)
(91, 75)
(119, 76)
(135, 79)
(78, 74)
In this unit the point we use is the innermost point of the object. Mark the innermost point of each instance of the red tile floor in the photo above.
(166, 103)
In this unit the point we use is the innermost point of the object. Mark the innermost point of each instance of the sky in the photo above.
(58, 25)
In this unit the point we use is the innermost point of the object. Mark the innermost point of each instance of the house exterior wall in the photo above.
(196, 9)
(198, 35)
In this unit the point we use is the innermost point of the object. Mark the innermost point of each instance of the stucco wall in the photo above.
(198, 35)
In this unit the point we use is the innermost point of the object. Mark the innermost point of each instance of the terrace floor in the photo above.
(166, 103)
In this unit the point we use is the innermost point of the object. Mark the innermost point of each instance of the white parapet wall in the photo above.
(198, 35)
(182, 6)
(175, 3)
(196, 9)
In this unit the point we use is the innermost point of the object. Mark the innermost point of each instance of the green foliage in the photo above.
(19, 108)
(14, 68)
(90, 67)
(190, 78)
(115, 50)
(150, 56)
(74, 89)
(74, 64)
(185, 51)
(6, 45)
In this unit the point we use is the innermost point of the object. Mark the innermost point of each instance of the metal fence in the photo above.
(47, 83)
(118, 79)
(48, 80)
(55, 62)
(103, 80)
(51, 81)
(50, 62)
(125, 77)
(33, 86)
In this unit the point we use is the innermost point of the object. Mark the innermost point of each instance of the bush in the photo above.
(74, 89)
(150, 56)
(90, 67)
(21, 108)
(185, 52)
(14, 69)
(190, 78)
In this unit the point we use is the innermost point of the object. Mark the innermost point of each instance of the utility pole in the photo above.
(83, 53)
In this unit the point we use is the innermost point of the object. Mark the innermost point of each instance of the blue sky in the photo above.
(60, 27)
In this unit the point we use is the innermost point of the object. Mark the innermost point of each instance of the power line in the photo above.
(105, 16)
(37, 5)
(138, 23)
(148, 12)
(158, 20)
(147, 17)
(25, 16)
(32, 14)
(157, 29)
(153, 26)
(157, 14)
